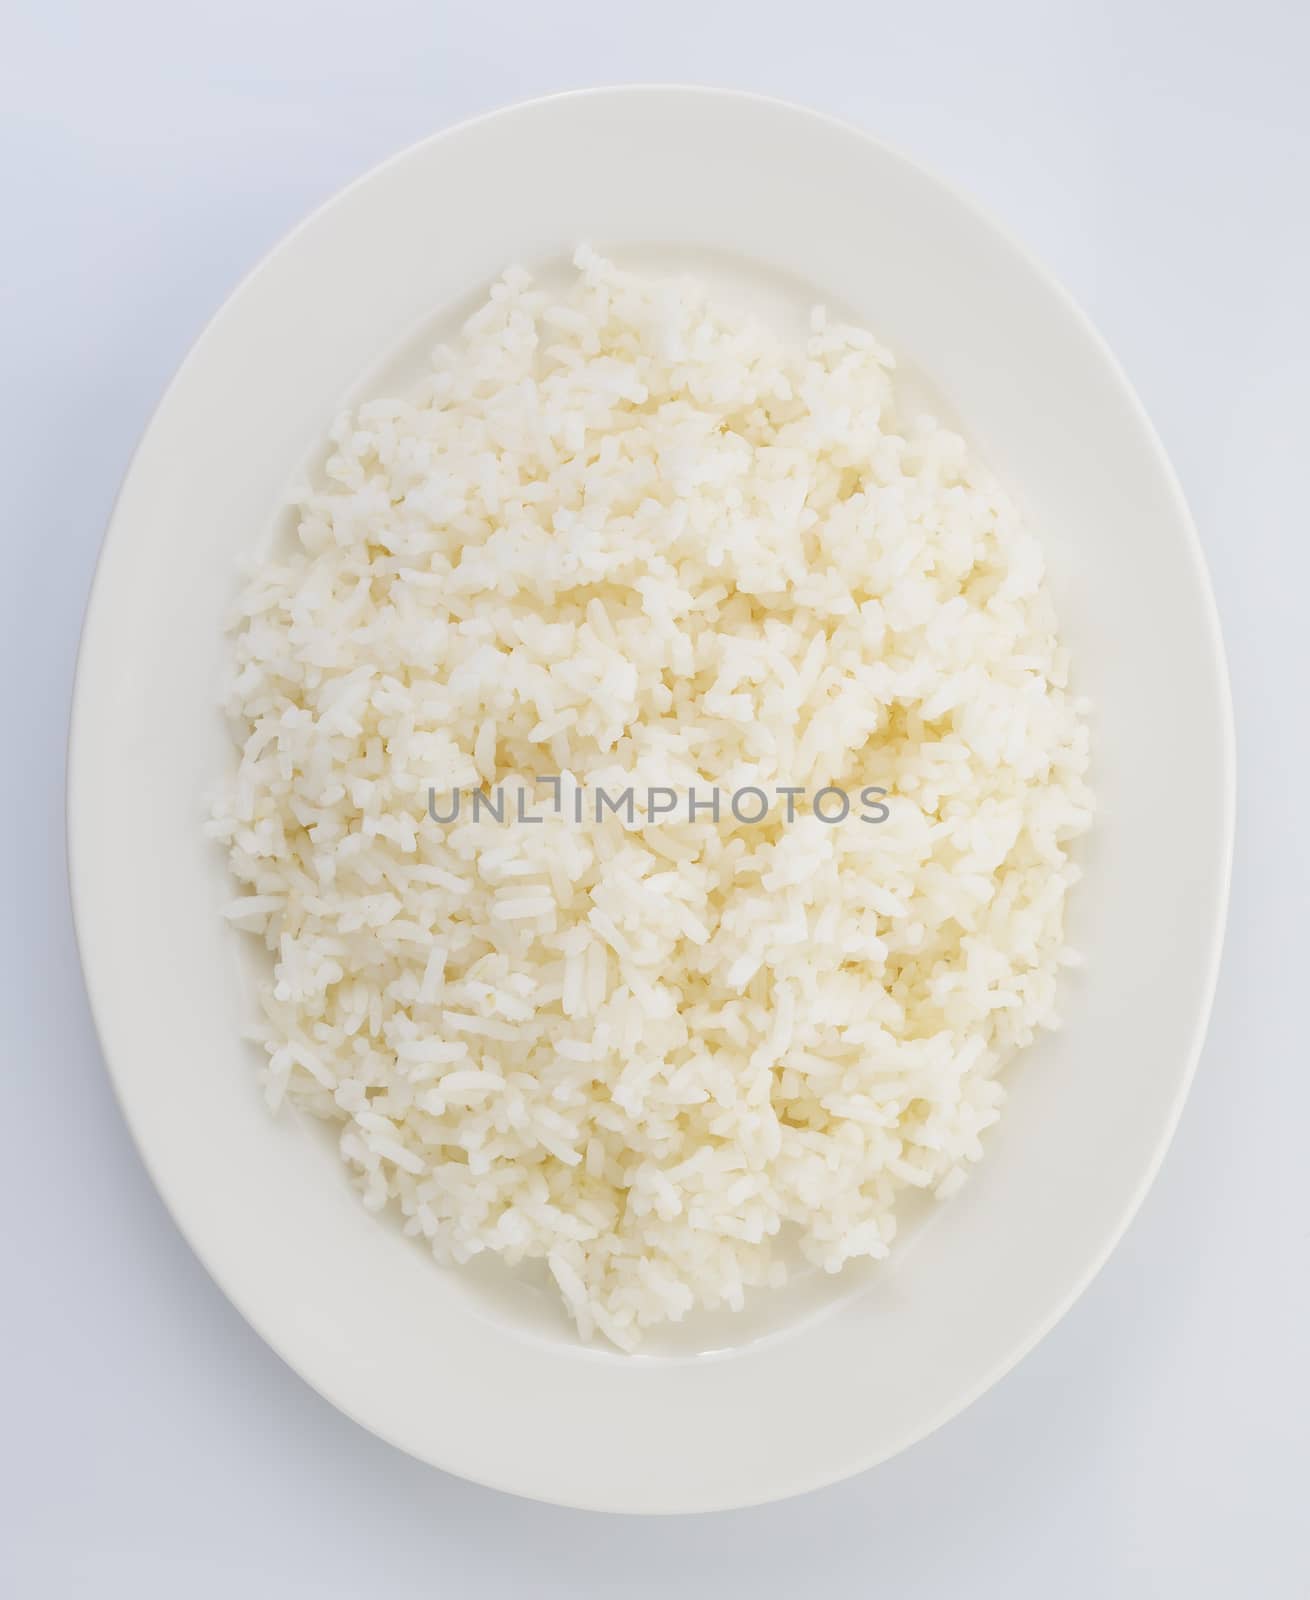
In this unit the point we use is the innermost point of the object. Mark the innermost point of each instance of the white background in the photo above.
(1157, 156)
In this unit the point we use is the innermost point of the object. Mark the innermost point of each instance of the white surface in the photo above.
(1155, 158)
(459, 1374)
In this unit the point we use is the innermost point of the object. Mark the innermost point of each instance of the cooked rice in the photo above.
(632, 537)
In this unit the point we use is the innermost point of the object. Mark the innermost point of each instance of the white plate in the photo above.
(462, 1371)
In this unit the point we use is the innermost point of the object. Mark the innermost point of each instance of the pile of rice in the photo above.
(632, 537)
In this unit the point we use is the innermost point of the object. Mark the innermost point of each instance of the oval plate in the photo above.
(800, 205)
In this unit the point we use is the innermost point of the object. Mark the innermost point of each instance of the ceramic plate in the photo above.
(466, 1370)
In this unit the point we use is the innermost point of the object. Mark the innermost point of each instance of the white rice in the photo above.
(626, 534)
